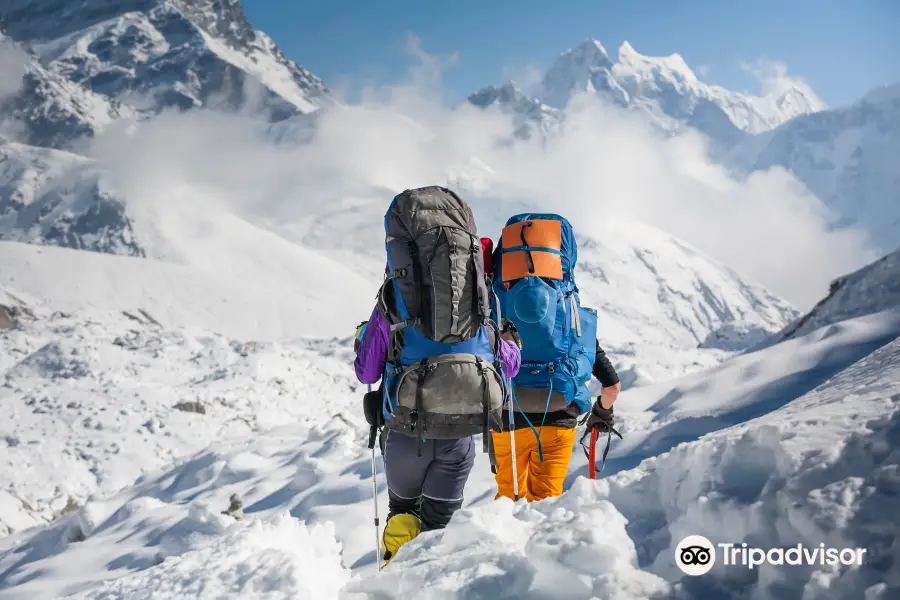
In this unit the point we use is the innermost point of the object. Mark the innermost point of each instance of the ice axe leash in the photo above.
(373, 433)
(591, 451)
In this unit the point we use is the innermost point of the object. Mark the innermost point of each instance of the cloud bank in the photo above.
(775, 81)
(605, 164)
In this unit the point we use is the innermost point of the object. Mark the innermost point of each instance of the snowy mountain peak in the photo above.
(669, 92)
(529, 113)
(505, 93)
(797, 98)
(584, 68)
(588, 52)
(631, 62)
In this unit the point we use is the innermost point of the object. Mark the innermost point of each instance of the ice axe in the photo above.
(591, 451)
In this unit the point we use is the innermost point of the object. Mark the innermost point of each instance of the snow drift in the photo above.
(822, 469)
(573, 546)
(276, 559)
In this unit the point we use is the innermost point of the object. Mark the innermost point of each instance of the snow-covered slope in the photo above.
(90, 394)
(822, 470)
(154, 54)
(846, 156)
(661, 416)
(253, 299)
(872, 289)
(664, 88)
(665, 308)
(59, 198)
(43, 108)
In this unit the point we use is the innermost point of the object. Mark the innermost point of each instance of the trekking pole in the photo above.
(512, 445)
(373, 432)
(592, 455)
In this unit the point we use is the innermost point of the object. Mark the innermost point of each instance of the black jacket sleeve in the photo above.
(604, 370)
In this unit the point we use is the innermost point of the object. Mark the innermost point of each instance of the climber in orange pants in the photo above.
(537, 480)
(544, 479)
(532, 274)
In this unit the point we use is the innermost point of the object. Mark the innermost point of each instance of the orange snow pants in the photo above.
(537, 480)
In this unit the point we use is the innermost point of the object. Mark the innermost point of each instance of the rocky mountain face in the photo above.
(150, 55)
(71, 69)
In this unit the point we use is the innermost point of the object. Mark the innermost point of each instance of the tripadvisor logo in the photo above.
(696, 555)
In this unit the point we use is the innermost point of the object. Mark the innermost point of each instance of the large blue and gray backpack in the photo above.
(534, 283)
(442, 379)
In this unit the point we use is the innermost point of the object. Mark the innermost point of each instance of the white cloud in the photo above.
(528, 78)
(702, 71)
(605, 163)
(774, 78)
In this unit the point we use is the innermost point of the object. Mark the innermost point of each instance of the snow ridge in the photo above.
(872, 289)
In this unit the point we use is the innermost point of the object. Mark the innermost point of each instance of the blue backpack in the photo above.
(534, 284)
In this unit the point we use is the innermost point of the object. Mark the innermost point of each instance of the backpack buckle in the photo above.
(480, 364)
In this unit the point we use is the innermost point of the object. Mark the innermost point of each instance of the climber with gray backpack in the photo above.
(442, 361)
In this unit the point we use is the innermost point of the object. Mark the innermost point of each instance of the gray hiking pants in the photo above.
(429, 486)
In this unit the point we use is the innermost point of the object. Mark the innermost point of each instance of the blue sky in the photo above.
(841, 48)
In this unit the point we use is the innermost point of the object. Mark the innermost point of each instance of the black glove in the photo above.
(509, 327)
(599, 418)
(372, 408)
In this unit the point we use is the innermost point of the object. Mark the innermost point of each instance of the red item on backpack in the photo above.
(487, 251)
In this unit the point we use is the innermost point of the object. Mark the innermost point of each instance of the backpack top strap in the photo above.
(532, 248)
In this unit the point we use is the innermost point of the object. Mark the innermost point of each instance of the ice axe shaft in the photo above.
(590, 451)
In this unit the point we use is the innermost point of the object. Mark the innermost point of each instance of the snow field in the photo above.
(778, 479)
